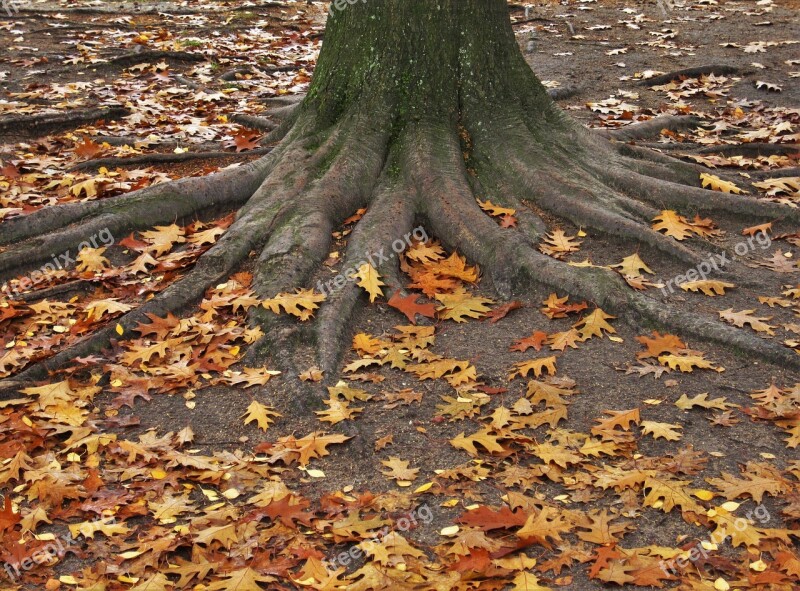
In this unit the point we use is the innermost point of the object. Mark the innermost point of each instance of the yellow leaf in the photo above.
(457, 305)
(423, 488)
(666, 431)
(537, 366)
(703, 495)
(594, 325)
(495, 210)
(717, 184)
(92, 259)
(709, 287)
(162, 238)
(302, 303)
(262, 415)
(557, 244)
(632, 266)
(370, 280)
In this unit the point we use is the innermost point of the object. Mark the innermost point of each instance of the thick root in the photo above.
(450, 208)
(753, 149)
(671, 195)
(303, 242)
(41, 235)
(268, 208)
(212, 267)
(389, 217)
(646, 129)
(151, 159)
(716, 69)
(33, 126)
(261, 123)
(608, 213)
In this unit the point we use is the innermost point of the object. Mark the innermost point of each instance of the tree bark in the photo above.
(452, 61)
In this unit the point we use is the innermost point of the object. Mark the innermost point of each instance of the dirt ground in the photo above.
(51, 45)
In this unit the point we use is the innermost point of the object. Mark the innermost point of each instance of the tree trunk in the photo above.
(450, 61)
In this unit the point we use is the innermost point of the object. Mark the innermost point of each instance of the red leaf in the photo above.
(9, 171)
(478, 560)
(536, 340)
(502, 311)
(133, 243)
(245, 139)
(508, 221)
(488, 519)
(408, 305)
(8, 518)
(88, 149)
(605, 554)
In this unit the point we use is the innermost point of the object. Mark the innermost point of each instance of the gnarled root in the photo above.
(315, 178)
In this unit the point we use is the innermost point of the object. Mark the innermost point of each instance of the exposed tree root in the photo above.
(716, 69)
(40, 235)
(32, 126)
(752, 149)
(560, 94)
(254, 122)
(390, 217)
(776, 173)
(672, 195)
(646, 129)
(56, 290)
(152, 159)
(138, 57)
(404, 170)
(265, 210)
(572, 192)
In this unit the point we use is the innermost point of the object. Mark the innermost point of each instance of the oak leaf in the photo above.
(399, 471)
(408, 305)
(707, 286)
(717, 184)
(163, 238)
(686, 403)
(666, 431)
(370, 280)
(544, 527)
(537, 366)
(740, 319)
(557, 244)
(535, 341)
(495, 210)
(595, 325)
(632, 266)
(243, 579)
(302, 303)
(460, 304)
(261, 414)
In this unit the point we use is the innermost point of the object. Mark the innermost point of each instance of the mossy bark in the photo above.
(453, 61)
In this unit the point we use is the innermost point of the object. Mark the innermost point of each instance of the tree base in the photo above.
(292, 199)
